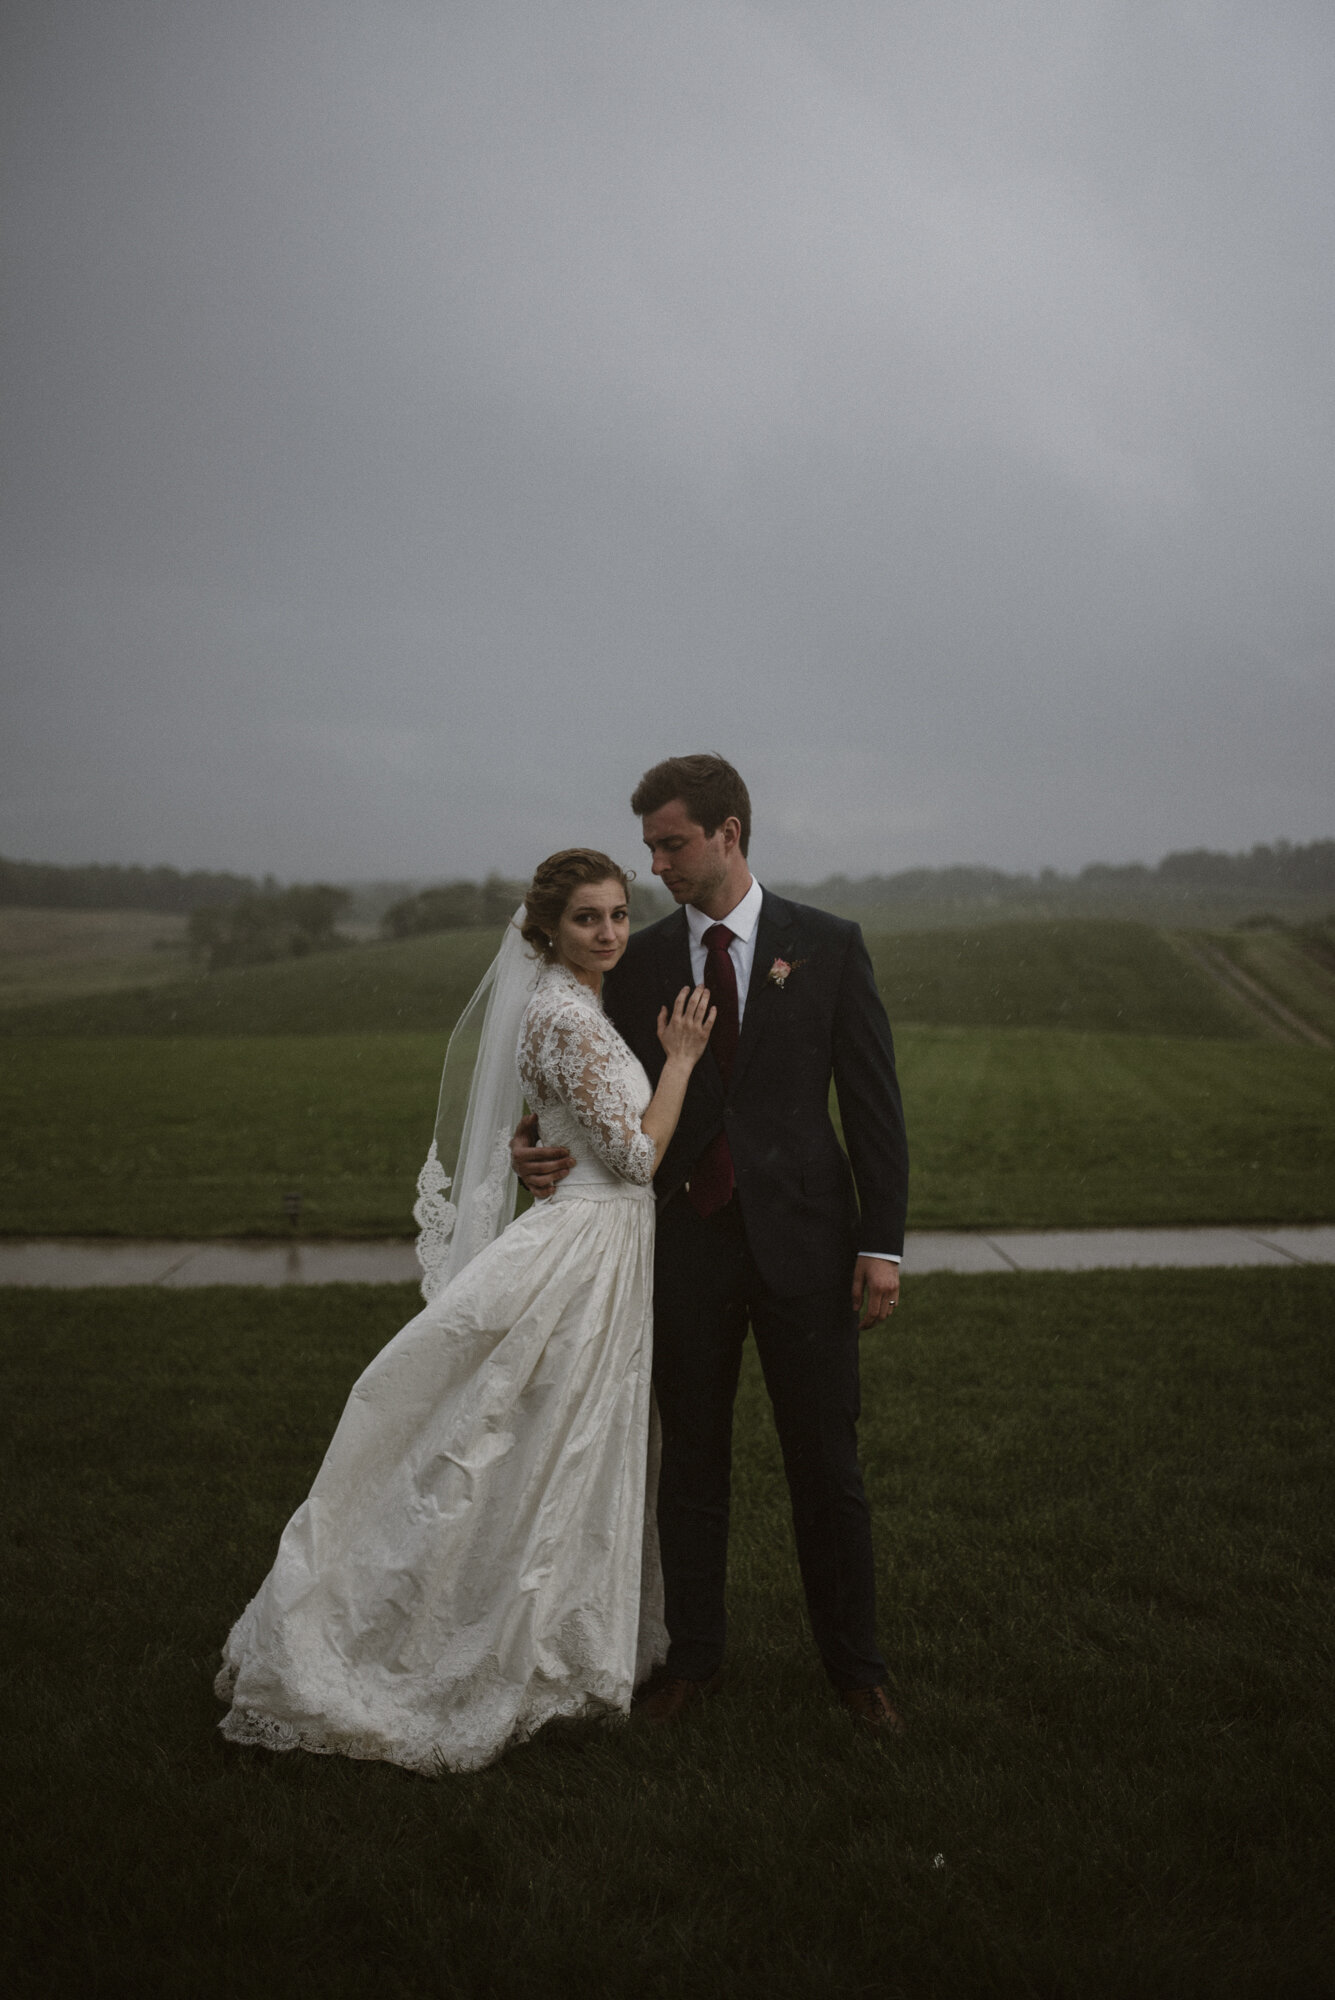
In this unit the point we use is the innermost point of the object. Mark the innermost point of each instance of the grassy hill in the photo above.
(50, 955)
(415, 985)
(1104, 976)
(1296, 968)
(1108, 977)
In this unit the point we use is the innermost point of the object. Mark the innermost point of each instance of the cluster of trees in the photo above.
(458, 906)
(41, 885)
(278, 923)
(453, 906)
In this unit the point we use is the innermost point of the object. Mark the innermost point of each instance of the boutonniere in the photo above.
(779, 971)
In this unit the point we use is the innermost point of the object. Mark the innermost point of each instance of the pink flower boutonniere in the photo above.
(779, 971)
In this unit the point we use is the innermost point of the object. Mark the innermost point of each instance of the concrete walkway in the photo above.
(88, 1261)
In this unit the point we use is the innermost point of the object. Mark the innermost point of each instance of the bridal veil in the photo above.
(480, 1102)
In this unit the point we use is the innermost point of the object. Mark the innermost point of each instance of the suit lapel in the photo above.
(675, 957)
(763, 996)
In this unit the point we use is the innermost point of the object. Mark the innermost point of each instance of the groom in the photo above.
(758, 1223)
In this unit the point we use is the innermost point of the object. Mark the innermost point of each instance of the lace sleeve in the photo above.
(576, 1056)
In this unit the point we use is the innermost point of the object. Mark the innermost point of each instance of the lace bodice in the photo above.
(587, 1088)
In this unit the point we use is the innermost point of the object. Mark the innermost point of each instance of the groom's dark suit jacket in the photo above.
(826, 1021)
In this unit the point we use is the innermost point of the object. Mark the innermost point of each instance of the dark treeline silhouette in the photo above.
(280, 923)
(42, 885)
(1308, 870)
(1281, 870)
(457, 906)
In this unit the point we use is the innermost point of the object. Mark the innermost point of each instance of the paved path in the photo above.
(74, 1263)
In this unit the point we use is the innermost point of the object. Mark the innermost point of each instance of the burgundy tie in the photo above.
(711, 1183)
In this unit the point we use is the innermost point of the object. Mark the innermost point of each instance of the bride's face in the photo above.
(593, 930)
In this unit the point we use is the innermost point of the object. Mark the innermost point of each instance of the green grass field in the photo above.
(1106, 1559)
(1059, 1074)
(1019, 1127)
(1026, 1128)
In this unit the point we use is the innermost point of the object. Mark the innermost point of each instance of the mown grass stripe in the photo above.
(1019, 1128)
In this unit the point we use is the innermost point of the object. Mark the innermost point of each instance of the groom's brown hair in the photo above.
(707, 786)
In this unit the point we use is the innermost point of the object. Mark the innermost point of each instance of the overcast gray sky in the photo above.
(420, 415)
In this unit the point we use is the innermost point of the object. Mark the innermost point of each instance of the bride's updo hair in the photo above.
(555, 881)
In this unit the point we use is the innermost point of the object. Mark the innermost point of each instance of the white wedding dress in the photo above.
(478, 1552)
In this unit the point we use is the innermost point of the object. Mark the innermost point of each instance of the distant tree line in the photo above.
(42, 885)
(1308, 870)
(279, 923)
(263, 913)
(1284, 869)
(457, 906)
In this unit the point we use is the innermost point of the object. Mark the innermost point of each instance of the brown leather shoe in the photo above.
(869, 1709)
(668, 1699)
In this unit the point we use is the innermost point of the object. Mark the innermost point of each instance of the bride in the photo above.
(476, 1555)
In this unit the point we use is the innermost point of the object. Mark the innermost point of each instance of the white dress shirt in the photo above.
(743, 920)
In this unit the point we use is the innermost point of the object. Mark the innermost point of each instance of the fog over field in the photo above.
(420, 417)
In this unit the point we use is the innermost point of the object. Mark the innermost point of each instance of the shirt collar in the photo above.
(741, 919)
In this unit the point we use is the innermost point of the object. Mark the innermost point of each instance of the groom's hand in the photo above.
(875, 1290)
(538, 1167)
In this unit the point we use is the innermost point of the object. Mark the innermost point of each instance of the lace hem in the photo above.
(430, 1757)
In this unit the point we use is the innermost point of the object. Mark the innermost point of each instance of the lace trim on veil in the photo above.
(435, 1218)
(480, 1060)
(450, 1237)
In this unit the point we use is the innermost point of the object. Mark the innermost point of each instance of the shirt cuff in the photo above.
(882, 1256)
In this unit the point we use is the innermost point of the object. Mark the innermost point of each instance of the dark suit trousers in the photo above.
(706, 1291)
